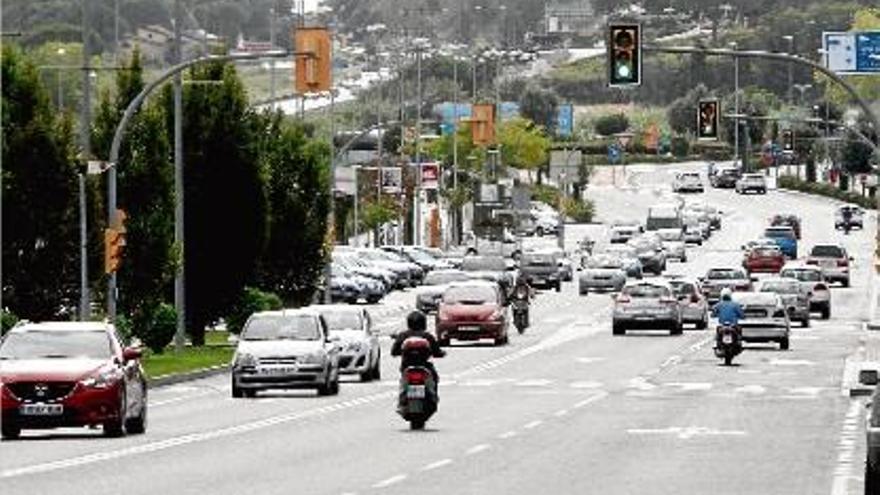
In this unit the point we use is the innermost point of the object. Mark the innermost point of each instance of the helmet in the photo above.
(726, 294)
(416, 321)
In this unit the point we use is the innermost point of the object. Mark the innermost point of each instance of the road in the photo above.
(565, 408)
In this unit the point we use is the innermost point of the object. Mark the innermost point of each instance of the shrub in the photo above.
(160, 329)
(680, 146)
(608, 125)
(7, 321)
(824, 189)
(578, 210)
(125, 328)
(251, 301)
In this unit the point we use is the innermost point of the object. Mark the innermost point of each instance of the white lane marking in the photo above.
(846, 447)
(791, 362)
(690, 386)
(686, 433)
(165, 402)
(390, 481)
(589, 360)
(560, 413)
(751, 389)
(534, 424)
(437, 465)
(590, 400)
(585, 384)
(476, 449)
(540, 382)
(640, 383)
(507, 434)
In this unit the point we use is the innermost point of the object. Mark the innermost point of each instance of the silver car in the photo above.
(623, 233)
(813, 279)
(766, 319)
(694, 306)
(648, 304)
(673, 243)
(794, 296)
(649, 249)
(360, 353)
(630, 258)
(287, 349)
(602, 272)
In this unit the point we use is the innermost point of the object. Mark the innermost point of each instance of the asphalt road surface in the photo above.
(565, 408)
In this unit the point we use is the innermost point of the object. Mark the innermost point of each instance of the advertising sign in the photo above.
(430, 175)
(392, 179)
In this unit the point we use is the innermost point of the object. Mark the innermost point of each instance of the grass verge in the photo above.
(189, 359)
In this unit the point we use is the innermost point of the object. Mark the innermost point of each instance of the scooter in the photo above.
(521, 314)
(418, 397)
(728, 343)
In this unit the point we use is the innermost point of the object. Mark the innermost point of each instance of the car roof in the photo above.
(62, 326)
(757, 297)
(777, 280)
(653, 281)
(786, 228)
(308, 311)
(348, 308)
(473, 283)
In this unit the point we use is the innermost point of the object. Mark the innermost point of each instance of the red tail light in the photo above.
(812, 262)
(416, 377)
(820, 287)
(743, 287)
(843, 262)
(623, 299)
(695, 298)
(668, 300)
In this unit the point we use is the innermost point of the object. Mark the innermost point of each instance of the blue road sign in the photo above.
(565, 120)
(613, 153)
(852, 53)
(868, 52)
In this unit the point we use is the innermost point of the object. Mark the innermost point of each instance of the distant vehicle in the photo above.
(646, 305)
(795, 297)
(546, 224)
(602, 272)
(717, 279)
(784, 237)
(664, 216)
(764, 259)
(698, 220)
(490, 268)
(623, 233)
(812, 278)
(709, 212)
(751, 183)
(693, 234)
(762, 242)
(287, 349)
(725, 178)
(857, 215)
(833, 260)
(630, 258)
(649, 249)
(789, 220)
(429, 294)
(694, 305)
(687, 182)
(766, 319)
(541, 269)
(472, 311)
(673, 243)
(68, 374)
(361, 354)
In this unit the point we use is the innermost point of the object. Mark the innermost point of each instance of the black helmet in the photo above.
(416, 321)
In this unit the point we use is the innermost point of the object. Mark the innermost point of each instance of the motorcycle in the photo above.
(521, 314)
(418, 397)
(847, 226)
(728, 343)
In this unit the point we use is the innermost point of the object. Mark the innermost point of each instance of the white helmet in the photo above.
(726, 294)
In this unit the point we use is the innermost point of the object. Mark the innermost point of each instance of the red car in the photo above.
(764, 259)
(68, 374)
(472, 310)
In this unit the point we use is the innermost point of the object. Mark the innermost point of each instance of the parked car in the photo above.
(694, 305)
(70, 374)
(429, 294)
(833, 260)
(751, 183)
(673, 242)
(352, 263)
(687, 182)
(541, 269)
(343, 289)
(471, 311)
(792, 221)
(287, 349)
(784, 237)
(795, 297)
(717, 279)
(602, 272)
(857, 216)
(416, 272)
(647, 304)
(766, 319)
(813, 280)
(547, 224)
(764, 259)
(360, 352)
(649, 249)
(725, 177)
(369, 289)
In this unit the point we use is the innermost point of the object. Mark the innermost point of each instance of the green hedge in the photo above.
(581, 211)
(827, 190)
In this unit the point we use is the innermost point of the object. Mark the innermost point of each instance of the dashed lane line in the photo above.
(437, 465)
(390, 481)
(476, 449)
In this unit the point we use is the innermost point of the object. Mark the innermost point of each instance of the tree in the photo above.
(40, 218)
(682, 113)
(299, 201)
(226, 206)
(539, 105)
(523, 144)
(609, 125)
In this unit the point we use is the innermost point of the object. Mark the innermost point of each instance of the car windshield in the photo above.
(282, 327)
(646, 291)
(483, 263)
(683, 288)
(623, 230)
(725, 274)
(343, 320)
(802, 275)
(605, 262)
(419, 256)
(827, 252)
(779, 233)
(781, 286)
(470, 294)
(765, 251)
(622, 251)
(535, 259)
(39, 344)
(756, 298)
(439, 278)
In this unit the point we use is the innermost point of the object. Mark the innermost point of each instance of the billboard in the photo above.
(392, 179)
(430, 175)
(855, 53)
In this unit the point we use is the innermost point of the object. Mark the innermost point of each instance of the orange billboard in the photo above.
(313, 71)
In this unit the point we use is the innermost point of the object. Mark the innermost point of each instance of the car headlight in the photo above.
(245, 360)
(103, 378)
(314, 358)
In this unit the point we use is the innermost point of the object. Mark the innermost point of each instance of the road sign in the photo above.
(430, 175)
(565, 120)
(392, 178)
(613, 153)
(852, 53)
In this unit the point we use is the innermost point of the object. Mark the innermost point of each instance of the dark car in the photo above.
(541, 270)
(792, 221)
(472, 311)
(490, 268)
(429, 294)
(725, 178)
(69, 374)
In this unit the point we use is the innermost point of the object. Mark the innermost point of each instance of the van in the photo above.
(664, 216)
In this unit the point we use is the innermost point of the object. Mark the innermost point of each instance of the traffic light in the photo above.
(788, 140)
(114, 243)
(624, 55)
(483, 124)
(707, 120)
(314, 60)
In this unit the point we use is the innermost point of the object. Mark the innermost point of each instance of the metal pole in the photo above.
(357, 241)
(328, 271)
(179, 240)
(417, 238)
(60, 91)
(84, 301)
(474, 79)
(790, 70)
(85, 136)
(455, 149)
(116, 32)
(736, 106)
(272, 62)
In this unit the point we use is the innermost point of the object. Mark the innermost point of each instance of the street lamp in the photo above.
(790, 39)
(802, 88)
(734, 45)
(61, 52)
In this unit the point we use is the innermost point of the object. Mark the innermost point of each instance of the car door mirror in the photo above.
(333, 339)
(131, 354)
(869, 377)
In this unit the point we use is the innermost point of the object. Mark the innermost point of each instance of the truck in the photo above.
(664, 216)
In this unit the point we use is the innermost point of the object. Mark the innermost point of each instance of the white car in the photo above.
(360, 353)
(833, 260)
(287, 349)
(766, 318)
(751, 183)
(813, 279)
(687, 182)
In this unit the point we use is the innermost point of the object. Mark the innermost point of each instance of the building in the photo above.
(569, 17)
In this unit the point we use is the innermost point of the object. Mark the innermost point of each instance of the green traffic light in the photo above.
(624, 71)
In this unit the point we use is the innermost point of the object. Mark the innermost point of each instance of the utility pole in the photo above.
(735, 104)
(417, 238)
(116, 32)
(272, 61)
(84, 303)
(790, 39)
(455, 148)
(328, 270)
(85, 137)
(179, 240)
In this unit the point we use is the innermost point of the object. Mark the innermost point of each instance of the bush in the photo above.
(608, 125)
(251, 301)
(125, 328)
(578, 210)
(160, 328)
(680, 146)
(824, 189)
(7, 321)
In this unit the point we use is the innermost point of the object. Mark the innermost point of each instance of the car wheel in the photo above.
(826, 312)
(846, 283)
(872, 479)
(374, 300)
(138, 424)
(10, 431)
(237, 393)
(558, 286)
(617, 329)
(805, 323)
(250, 393)
(334, 387)
(783, 344)
(116, 427)
(677, 329)
(377, 368)
(584, 292)
(702, 325)
(367, 375)
(540, 231)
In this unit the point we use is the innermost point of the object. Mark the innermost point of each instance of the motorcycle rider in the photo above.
(728, 311)
(416, 324)
(847, 219)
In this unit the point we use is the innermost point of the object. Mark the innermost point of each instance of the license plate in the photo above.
(469, 329)
(415, 392)
(41, 409)
(727, 339)
(276, 370)
(827, 263)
